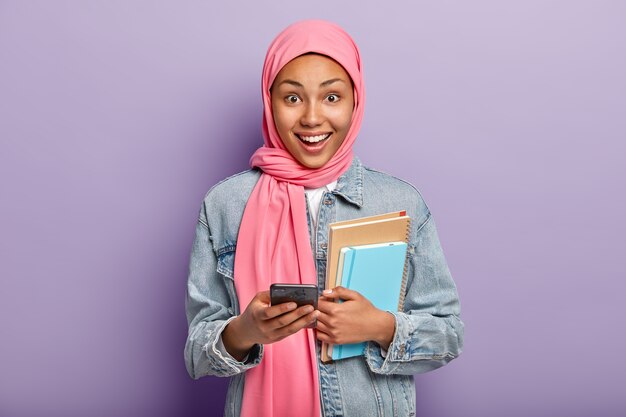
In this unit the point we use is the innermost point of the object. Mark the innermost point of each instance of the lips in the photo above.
(313, 138)
(313, 143)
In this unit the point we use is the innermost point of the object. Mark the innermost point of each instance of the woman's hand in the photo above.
(353, 321)
(261, 323)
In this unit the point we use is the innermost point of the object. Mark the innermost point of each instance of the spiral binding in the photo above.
(405, 273)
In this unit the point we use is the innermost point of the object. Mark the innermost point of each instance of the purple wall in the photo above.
(117, 116)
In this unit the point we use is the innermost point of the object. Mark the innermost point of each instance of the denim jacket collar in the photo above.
(350, 183)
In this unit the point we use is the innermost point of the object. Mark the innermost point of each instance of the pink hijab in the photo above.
(273, 243)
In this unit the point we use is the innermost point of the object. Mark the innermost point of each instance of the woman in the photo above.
(270, 224)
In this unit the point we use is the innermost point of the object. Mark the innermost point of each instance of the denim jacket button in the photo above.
(323, 246)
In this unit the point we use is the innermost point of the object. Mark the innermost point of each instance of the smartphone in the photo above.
(301, 294)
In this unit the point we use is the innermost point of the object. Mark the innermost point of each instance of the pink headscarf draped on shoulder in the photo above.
(273, 243)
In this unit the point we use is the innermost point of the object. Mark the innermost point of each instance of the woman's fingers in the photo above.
(279, 321)
(327, 334)
(341, 293)
(298, 324)
(272, 312)
(327, 330)
(263, 297)
(325, 318)
(324, 337)
(288, 319)
(265, 311)
(322, 326)
(283, 325)
(325, 306)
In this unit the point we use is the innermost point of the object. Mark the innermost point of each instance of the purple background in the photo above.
(117, 116)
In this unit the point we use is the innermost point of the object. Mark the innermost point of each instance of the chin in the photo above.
(313, 163)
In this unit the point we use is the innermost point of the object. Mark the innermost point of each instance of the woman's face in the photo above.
(312, 103)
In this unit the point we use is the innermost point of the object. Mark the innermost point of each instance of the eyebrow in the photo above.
(323, 84)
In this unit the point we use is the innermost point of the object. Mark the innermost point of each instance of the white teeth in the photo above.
(313, 139)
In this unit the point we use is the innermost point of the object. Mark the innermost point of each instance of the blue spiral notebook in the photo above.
(377, 272)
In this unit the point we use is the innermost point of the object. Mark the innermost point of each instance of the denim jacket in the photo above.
(428, 333)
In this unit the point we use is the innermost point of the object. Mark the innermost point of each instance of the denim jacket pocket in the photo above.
(226, 268)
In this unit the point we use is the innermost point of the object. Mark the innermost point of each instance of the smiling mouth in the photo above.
(313, 139)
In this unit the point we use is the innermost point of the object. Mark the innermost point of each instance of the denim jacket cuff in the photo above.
(396, 352)
(215, 347)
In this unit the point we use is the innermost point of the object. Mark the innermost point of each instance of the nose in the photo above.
(312, 115)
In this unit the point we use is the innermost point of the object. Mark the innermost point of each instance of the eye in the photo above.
(292, 99)
(333, 98)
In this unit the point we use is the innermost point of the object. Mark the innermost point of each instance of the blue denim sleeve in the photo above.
(209, 310)
(429, 332)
